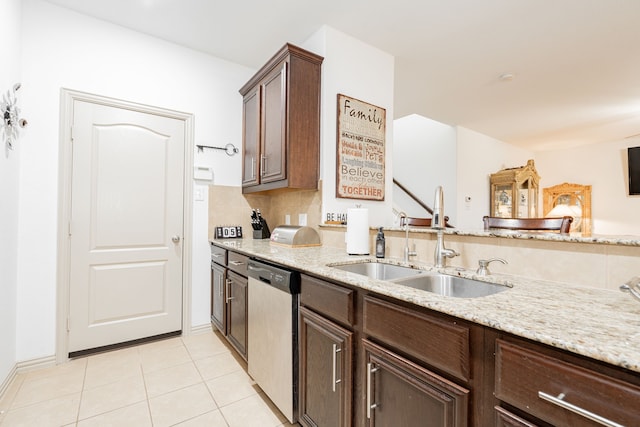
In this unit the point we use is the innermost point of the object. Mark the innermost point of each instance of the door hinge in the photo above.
(71, 133)
(69, 230)
(68, 324)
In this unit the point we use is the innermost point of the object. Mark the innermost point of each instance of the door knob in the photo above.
(175, 239)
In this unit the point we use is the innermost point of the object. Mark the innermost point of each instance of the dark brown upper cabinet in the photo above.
(281, 123)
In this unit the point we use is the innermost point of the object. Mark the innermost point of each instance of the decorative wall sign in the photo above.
(360, 154)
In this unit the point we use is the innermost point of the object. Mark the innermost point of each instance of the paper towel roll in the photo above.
(357, 236)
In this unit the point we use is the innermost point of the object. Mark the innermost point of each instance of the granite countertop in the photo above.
(600, 324)
(603, 239)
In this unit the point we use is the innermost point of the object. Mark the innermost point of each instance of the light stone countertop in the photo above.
(603, 239)
(600, 324)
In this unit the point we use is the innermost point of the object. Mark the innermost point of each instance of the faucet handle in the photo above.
(483, 265)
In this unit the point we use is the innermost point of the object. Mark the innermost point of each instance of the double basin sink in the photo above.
(442, 284)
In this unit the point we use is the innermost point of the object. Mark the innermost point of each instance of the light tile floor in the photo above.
(181, 381)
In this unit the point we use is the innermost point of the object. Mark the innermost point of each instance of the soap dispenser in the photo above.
(380, 244)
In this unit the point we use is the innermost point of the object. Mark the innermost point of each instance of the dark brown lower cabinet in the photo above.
(326, 353)
(229, 296)
(402, 393)
(237, 312)
(563, 390)
(218, 279)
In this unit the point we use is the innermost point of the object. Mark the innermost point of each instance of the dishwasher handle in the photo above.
(261, 273)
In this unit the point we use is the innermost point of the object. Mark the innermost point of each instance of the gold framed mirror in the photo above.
(572, 200)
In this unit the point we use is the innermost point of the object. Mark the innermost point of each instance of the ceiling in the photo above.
(573, 66)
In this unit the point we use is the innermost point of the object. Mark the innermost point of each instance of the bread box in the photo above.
(295, 236)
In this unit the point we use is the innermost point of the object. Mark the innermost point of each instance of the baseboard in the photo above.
(41, 362)
(8, 381)
(25, 366)
(200, 329)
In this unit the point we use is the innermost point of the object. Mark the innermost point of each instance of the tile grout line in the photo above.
(108, 383)
(84, 380)
(146, 391)
(196, 348)
(204, 382)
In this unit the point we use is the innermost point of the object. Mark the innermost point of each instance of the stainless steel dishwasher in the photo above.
(272, 355)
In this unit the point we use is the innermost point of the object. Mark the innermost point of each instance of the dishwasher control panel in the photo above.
(285, 280)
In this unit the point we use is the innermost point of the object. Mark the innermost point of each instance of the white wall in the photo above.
(10, 10)
(361, 71)
(424, 157)
(604, 167)
(65, 49)
(478, 157)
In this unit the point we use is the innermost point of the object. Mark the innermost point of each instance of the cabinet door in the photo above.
(274, 114)
(237, 312)
(251, 138)
(218, 297)
(401, 393)
(325, 372)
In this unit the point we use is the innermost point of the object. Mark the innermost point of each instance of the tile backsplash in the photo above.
(583, 264)
(228, 206)
(590, 265)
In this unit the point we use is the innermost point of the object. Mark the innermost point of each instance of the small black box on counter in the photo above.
(262, 233)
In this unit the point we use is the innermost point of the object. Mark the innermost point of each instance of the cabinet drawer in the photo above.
(440, 343)
(237, 262)
(333, 301)
(218, 255)
(556, 391)
(505, 418)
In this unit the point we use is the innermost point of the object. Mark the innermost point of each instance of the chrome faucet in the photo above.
(438, 222)
(407, 253)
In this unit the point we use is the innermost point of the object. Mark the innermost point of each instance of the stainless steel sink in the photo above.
(380, 271)
(442, 284)
(452, 286)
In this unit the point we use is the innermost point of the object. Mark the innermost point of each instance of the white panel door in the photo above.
(126, 226)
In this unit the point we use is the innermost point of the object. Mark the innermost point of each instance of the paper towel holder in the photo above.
(357, 235)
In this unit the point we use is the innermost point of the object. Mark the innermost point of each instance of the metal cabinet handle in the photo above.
(220, 289)
(217, 255)
(236, 263)
(334, 364)
(253, 167)
(558, 401)
(228, 283)
(263, 165)
(370, 371)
